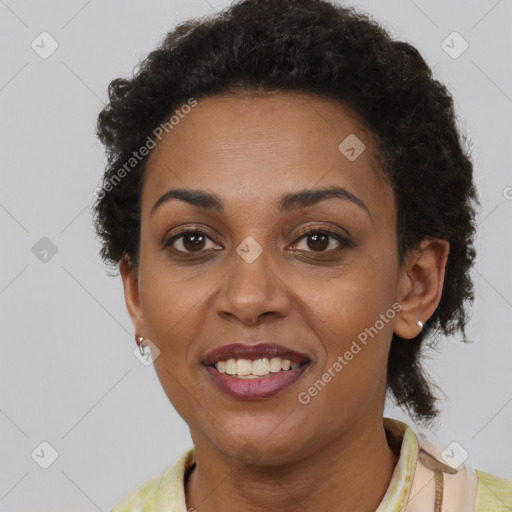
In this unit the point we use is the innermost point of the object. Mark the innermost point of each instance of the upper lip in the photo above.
(252, 352)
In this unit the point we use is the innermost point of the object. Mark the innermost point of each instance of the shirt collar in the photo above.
(397, 494)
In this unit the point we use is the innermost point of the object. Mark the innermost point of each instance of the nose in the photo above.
(252, 289)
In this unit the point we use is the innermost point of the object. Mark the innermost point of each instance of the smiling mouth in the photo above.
(257, 368)
(252, 386)
(253, 372)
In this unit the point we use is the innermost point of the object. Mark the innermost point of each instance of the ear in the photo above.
(131, 293)
(421, 285)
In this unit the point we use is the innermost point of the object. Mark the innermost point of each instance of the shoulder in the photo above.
(139, 498)
(464, 488)
(494, 494)
(164, 492)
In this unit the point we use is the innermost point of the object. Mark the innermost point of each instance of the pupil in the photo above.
(323, 242)
(193, 241)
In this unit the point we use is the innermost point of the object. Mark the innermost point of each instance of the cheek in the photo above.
(169, 304)
(351, 380)
(357, 297)
(358, 339)
(172, 312)
(359, 314)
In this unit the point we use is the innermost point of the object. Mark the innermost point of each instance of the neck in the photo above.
(351, 473)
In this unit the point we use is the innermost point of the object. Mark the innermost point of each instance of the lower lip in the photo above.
(254, 388)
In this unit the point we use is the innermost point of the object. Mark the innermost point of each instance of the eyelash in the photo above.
(345, 242)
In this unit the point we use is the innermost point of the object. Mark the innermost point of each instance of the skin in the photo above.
(331, 454)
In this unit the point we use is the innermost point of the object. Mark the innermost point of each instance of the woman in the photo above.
(292, 214)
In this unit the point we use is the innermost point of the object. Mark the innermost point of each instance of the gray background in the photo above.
(67, 369)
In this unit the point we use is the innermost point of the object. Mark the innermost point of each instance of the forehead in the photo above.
(261, 146)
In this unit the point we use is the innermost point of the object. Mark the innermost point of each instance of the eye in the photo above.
(195, 240)
(323, 241)
(190, 241)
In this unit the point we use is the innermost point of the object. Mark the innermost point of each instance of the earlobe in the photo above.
(131, 292)
(421, 285)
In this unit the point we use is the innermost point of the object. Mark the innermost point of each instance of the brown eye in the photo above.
(190, 241)
(193, 242)
(323, 241)
(318, 241)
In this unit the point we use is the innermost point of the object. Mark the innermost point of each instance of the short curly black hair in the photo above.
(316, 47)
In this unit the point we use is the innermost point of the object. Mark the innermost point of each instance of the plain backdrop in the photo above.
(68, 374)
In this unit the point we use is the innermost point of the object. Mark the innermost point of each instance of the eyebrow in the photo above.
(287, 203)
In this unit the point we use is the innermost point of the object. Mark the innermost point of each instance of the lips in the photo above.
(252, 352)
(256, 387)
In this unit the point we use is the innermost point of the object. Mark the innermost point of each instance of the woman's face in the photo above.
(255, 276)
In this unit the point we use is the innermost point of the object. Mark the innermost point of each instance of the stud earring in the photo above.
(142, 348)
(419, 323)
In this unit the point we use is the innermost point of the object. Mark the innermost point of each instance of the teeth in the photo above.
(245, 368)
(275, 364)
(230, 366)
